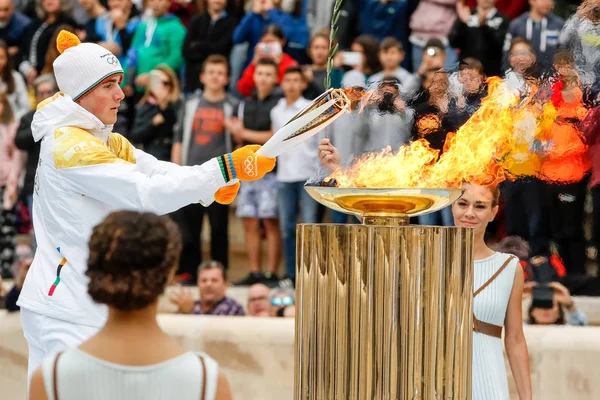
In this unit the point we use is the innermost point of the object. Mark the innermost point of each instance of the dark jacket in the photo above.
(37, 58)
(156, 140)
(14, 31)
(24, 141)
(385, 19)
(10, 302)
(484, 43)
(205, 37)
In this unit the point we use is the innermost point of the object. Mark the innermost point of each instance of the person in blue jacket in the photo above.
(385, 18)
(264, 13)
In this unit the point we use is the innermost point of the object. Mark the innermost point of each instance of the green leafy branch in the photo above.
(335, 17)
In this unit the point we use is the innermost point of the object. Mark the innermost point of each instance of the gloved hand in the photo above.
(226, 194)
(244, 164)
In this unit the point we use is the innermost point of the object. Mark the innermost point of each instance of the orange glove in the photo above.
(244, 164)
(226, 194)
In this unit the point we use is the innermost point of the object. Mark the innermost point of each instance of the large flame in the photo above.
(508, 137)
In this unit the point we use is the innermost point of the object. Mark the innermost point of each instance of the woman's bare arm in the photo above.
(223, 390)
(36, 387)
(514, 339)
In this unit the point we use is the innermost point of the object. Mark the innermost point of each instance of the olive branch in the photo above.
(333, 49)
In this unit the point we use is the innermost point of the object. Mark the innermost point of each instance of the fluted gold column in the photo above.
(383, 312)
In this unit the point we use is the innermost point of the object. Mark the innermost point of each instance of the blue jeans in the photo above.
(417, 57)
(442, 217)
(237, 58)
(292, 195)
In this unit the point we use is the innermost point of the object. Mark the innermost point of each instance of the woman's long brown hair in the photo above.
(6, 74)
(7, 115)
(52, 53)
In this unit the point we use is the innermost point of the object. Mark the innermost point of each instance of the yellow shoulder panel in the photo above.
(75, 147)
(121, 147)
(49, 100)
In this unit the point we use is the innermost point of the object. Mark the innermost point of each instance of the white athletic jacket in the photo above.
(84, 173)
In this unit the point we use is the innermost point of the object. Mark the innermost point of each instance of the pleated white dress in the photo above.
(489, 373)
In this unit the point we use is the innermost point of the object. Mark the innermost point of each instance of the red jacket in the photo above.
(567, 159)
(246, 83)
(511, 8)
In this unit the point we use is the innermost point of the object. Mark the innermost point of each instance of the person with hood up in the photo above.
(85, 172)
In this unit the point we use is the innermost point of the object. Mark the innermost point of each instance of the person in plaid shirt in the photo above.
(212, 283)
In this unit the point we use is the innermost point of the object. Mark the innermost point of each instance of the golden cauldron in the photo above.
(384, 309)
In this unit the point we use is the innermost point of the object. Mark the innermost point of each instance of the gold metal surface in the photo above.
(383, 312)
(384, 202)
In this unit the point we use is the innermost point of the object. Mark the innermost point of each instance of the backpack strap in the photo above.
(203, 392)
(54, 376)
(494, 276)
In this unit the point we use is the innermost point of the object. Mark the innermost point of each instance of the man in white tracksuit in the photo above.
(85, 172)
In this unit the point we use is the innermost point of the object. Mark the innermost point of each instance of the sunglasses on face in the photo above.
(282, 301)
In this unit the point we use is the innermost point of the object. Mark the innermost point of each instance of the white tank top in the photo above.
(80, 375)
(490, 381)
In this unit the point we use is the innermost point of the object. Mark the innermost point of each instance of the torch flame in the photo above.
(507, 137)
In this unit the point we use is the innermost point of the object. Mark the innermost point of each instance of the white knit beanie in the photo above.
(82, 66)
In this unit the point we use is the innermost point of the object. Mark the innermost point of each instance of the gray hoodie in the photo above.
(543, 35)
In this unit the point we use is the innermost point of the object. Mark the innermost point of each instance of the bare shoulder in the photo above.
(37, 391)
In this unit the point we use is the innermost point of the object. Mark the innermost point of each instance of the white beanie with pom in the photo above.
(82, 66)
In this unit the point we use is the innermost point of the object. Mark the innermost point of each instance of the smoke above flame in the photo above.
(508, 137)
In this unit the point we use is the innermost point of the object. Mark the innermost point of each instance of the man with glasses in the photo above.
(259, 303)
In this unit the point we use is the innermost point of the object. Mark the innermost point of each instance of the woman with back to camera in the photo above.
(132, 257)
(498, 289)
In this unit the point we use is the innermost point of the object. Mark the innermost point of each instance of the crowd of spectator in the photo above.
(204, 77)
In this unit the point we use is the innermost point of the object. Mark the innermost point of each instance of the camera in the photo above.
(542, 295)
(431, 51)
(271, 49)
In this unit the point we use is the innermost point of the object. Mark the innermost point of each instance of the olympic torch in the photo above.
(313, 118)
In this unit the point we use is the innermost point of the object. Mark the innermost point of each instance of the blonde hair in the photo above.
(174, 81)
